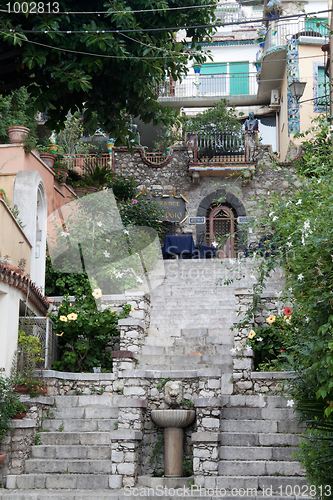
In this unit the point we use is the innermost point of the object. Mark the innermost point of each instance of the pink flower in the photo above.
(135, 202)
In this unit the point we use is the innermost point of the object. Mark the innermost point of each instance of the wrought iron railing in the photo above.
(240, 84)
(279, 32)
(221, 146)
(41, 328)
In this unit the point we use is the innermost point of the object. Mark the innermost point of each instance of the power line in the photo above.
(171, 28)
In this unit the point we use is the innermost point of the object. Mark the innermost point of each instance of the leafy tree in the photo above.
(74, 57)
(220, 118)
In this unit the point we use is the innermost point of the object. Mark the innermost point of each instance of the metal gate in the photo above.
(41, 328)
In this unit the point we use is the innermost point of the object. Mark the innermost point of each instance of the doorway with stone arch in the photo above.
(221, 211)
(221, 230)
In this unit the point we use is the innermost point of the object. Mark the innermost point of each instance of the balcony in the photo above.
(238, 89)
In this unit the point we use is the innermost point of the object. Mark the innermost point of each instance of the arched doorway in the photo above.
(221, 229)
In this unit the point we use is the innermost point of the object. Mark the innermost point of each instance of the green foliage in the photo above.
(316, 456)
(10, 404)
(220, 118)
(16, 108)
(317, 151)
(96, 174)
(38, 441)
(128, 71)
(156, 458)
(124, 188)
(84, 332)
(57, 283)
(162, 382)
(270, 343)
(187, 466)
(141, 211)
(188, 403)
(29, 358)
(69, 138)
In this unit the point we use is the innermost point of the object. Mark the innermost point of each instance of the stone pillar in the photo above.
(132, 334)
(206, 441)
(126, 442)
(173, 452)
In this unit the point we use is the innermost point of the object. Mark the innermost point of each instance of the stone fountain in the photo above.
(173, 420)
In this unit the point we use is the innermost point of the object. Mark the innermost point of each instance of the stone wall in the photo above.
(17, 444)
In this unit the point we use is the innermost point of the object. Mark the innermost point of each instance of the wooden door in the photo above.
(220, 228)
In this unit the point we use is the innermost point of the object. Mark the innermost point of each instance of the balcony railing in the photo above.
(219, 147)
(279, 32)
(79, 162)
(210, 85)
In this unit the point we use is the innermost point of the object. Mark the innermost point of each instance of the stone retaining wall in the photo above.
(18, 441)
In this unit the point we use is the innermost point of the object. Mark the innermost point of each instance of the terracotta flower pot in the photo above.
(17, 134)
(21, 389)
(2, 458)
(19, 416)
(47, 158)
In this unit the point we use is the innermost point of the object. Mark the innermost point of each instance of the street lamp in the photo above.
(297, 88)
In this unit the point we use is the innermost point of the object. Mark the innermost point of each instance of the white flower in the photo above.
(307, 224)
(318, 181)
(64, 233)
(307, 320)
(248, 348)
(288, 203)
(100, 224)
(260, 339)
(214, 244)
(290, 289)
(233, 350)
(108, 241)
(139, 280)
(300, 277)
(274, 218)
(299, 202)
(289, 244)
(271, 214)
(106, 254)
(97, 293)
(126, 232)
(290, 402)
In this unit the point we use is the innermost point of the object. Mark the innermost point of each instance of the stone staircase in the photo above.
(191, 315)
(74, 450)
(258, 437)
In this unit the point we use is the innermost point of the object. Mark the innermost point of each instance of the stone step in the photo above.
(260, 426)
(258, 414)
(82, 466)
(85, 425)
(177, 350)
(75, 438)
(257, 453)
(59, 481)
(254, 401)
(185, 360)
(71, 452)
(285, 485)
(84, 401)
(260, 468)
(94, 412)
(259, 439)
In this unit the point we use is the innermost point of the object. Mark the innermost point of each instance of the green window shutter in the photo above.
(318, 25)
(239, 78)
(213, 69)
(322, 79)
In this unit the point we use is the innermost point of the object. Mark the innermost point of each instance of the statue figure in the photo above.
(251, 136)
(173, 393)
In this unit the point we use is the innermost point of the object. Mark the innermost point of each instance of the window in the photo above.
(320, 87)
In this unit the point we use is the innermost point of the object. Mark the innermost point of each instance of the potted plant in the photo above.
(15, 119)
(273, 9)
(29, 356)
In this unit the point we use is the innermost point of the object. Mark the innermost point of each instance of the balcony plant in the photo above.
(29, 357)
(273, 9)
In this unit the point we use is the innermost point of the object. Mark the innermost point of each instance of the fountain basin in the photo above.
(173, 418)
